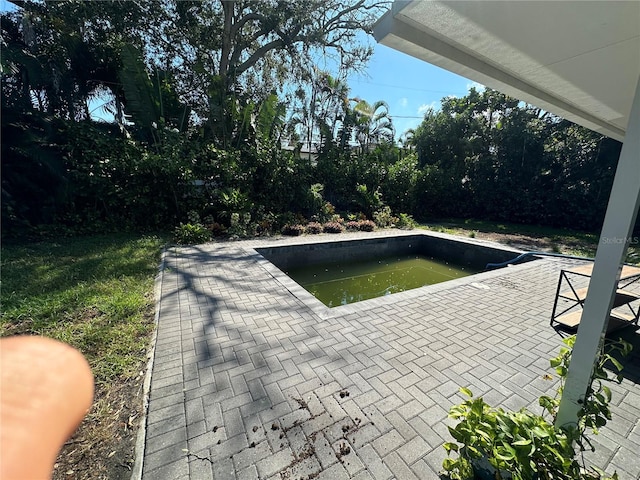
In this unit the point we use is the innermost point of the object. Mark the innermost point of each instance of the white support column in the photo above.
(614, 240)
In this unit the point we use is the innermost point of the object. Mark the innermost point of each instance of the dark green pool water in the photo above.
(336, 284)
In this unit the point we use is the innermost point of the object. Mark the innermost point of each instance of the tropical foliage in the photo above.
(495, 443)
(218, 108)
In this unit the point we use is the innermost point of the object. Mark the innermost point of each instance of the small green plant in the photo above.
(326, 212)
(315, 200)
(333, 227)
(524, 445)
(293, 230)
(472, 234)
(336, 218)
(241, 225)
(406, 221)
(633, 254)
(383, 217)
(191, 233)
(369, 200)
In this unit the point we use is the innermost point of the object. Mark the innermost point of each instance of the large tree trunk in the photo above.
(225, 52)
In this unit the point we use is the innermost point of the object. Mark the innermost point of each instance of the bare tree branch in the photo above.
(258, 54)
(237, 26)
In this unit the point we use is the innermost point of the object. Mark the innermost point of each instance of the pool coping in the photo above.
(324, 312)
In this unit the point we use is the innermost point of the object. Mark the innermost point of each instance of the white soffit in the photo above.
(577, 59)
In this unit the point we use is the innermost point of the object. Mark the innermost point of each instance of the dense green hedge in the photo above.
(87, 177)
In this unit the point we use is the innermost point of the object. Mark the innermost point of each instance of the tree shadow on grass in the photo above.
(53, 268)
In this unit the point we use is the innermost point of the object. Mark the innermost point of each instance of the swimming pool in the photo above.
(342, 283)
(348, 271)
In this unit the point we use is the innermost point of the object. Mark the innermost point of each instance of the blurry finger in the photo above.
(46, 389)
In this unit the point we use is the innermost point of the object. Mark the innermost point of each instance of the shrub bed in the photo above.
(333, 227)
(314, 228)
(366, 225)
(293, 230)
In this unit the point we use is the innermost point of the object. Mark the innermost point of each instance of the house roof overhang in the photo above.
(579, 60)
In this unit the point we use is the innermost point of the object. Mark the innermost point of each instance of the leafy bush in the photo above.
(367, 199)
(314, 227)
(399, 186)
(193, 217)
(406, 221)
(383, 218)
(315, 201)
(241, 225)
(333, 227)
(293, 230)
(284, 219)
(366, 225)
(191, 233)
(327, 211)
(524, 445)
(353, 226)
(266, 222)
(233, 200)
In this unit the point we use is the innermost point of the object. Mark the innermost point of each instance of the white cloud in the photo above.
(422, 109)
(476, 85)
(403, 102)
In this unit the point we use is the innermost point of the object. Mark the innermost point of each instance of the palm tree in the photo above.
(407, 140)
(331, 103)
(320, 119)
(374, 125)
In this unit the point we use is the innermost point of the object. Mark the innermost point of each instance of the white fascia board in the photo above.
(399, 35)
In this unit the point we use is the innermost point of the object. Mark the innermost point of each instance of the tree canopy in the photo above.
(204, 128)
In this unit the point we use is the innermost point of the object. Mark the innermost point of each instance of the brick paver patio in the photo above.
(250, 382)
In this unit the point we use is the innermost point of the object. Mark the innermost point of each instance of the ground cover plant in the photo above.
(95, 293)
(314, 228)
(333, 227)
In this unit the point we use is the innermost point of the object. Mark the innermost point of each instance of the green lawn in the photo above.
(95, 293)
(556, 240)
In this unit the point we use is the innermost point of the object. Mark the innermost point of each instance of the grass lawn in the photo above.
(95, 293)
(530, 237)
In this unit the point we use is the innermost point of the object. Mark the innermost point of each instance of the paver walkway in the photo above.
(249, 382)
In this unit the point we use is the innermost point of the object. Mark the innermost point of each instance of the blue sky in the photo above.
(410, 86)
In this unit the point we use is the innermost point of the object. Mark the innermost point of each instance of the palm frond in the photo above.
(142, 103)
